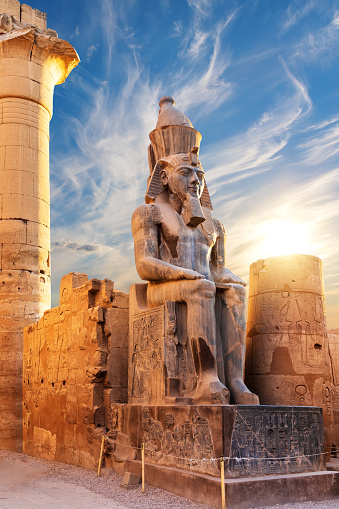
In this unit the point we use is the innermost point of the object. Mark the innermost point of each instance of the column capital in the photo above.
(32, 61)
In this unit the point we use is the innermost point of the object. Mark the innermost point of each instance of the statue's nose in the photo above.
(194, 178)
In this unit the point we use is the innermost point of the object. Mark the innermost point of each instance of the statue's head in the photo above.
(183, 175)
(174, 164)
(180, 174)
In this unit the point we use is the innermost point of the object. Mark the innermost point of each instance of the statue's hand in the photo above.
(228, 277)
(189, 274)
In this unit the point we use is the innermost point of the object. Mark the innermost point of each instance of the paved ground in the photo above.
(31, 483)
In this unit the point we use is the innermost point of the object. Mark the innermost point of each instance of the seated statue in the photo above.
(180, 251)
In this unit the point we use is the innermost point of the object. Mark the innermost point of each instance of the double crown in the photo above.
(174, 142)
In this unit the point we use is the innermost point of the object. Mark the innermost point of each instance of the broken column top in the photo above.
(24, 13)
(38, 44)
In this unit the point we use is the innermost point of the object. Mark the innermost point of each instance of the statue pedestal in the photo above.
(270, 451)
(255, 440)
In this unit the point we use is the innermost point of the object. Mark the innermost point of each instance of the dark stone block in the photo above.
(275, 440)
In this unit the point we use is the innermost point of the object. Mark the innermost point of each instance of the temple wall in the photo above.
(287, 356)
(75, 368)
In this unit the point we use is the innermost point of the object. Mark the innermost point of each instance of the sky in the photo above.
(258, 78)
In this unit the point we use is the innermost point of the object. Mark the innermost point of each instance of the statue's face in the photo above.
(184, 180)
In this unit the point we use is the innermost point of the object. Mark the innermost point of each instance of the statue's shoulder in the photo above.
(147, 213)
(219, 227)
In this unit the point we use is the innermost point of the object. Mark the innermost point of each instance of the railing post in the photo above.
(222, 475)
(143, 468)
(101, 454)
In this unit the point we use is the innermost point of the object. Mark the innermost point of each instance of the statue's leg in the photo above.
(234, 345)
(199, 295)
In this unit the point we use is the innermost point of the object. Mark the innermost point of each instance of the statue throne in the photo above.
(161, 362)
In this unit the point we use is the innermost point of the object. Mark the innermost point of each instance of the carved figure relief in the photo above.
(187, 446)
(286, 325)
(148, 330)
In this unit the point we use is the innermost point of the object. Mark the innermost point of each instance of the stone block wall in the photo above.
(24, 13)
(75, 368)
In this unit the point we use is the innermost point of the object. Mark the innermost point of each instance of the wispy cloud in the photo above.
(296, 11)
(76, 246)
(259, 147)
(322, 146)
(322, 124)
(300, 87)
(202, 7)
(197, 43)
(322, 42)
(76, 32)
(207, 90)
(108, 17)
(177, 29)
(92, 49)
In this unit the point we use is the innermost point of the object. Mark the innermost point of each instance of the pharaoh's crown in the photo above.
(174, 134)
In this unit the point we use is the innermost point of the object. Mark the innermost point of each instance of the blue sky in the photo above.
(259, 79)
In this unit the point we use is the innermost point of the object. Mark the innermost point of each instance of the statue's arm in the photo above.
(218, 258)
(146, 221)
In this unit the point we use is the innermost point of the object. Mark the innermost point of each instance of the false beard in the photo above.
(192, 212)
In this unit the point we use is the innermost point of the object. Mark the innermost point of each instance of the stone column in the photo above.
(287, 355)
(32, 61)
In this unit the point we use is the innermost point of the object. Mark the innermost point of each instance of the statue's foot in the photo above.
(211, 391)
(241, 395)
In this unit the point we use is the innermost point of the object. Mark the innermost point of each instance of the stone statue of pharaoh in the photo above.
(180, 251)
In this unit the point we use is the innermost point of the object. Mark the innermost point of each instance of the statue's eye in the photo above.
(184, 171)
(200, 175)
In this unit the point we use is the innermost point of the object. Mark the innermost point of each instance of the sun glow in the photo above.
(283, 237)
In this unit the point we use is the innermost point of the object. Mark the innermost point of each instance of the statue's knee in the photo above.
(237, 293)
(203, 288)
(241, 291)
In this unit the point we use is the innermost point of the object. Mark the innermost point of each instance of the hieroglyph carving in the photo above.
(188, 446)
(296, 321)
(288, 440)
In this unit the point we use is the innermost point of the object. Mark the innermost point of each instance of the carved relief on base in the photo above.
(187, 446)
(255, 440)
(276, 441)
